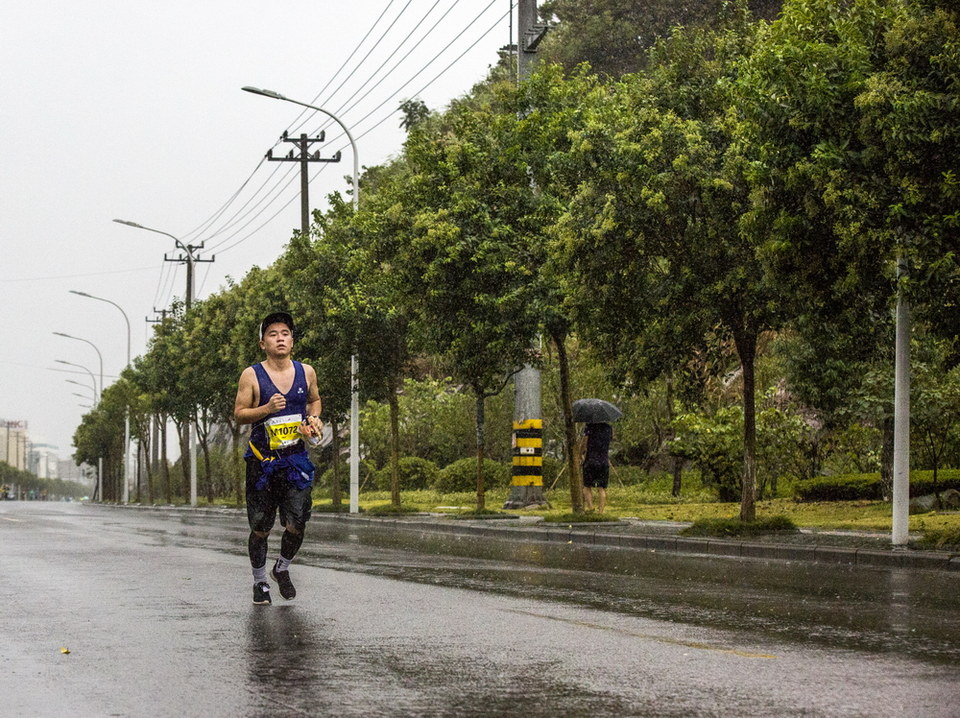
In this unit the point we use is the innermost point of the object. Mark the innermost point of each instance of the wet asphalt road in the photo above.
(154, 609)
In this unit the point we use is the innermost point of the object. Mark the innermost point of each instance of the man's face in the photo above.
(277, 339)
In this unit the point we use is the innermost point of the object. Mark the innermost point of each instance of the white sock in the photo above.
(282, 564)
(260, 574)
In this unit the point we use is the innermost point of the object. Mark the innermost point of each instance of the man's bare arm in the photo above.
(245, 409)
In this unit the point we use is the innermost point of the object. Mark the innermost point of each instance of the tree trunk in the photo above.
(164, 464)
(146, 447)
(203, 438)
(677, 460)
(569, 426)
(746, 342)
(481, 419)
(335, 474)
(183, 441)
(205, 447)
(394, 448)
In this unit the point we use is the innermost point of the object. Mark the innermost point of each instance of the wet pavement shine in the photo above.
(113, 611)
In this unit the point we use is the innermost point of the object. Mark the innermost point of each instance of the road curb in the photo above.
(631, 539)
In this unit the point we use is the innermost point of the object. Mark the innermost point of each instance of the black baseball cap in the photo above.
(276, 318)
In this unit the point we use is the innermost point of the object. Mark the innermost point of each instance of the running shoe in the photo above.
(283, 581)
(261, 593)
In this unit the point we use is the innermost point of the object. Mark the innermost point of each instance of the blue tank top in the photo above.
(279, 431)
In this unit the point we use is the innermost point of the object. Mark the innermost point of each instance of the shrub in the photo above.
(715, 446)
(391, 510)
(848, 487)
(736, 527)
(853, 487)
(629, 475)
(367, 473)
(571, 518)
(415, 473)
(941, 538)
(921, 482)
(462, 476)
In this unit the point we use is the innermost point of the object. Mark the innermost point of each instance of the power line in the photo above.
(206, 223)
(371, 129)
(305, 111)
(240, 215)
(249, 213)
(52, 277)
(360, 64)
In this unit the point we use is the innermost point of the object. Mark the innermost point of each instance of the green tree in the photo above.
(654, 227)
(851, 110)
(449, 239)
(613, 36)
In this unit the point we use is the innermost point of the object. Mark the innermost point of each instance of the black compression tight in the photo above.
(257, 549)
(289, 545)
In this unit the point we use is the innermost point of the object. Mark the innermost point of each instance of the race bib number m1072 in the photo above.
(283, 431)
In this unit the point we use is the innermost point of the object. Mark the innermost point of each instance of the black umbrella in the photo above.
(595, 411)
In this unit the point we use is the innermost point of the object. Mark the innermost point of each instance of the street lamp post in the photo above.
(96, 393)
(126, 418)
(188, 251)
(99, 355)
(96, 401)
(93, 389)
(354, 387)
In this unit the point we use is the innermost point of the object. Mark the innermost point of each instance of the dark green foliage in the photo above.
(415, 474)
(614, 35)
(867, 487)
(484, 514)
(367, 476)
(462, 476)
(941, 539)
(579, 518)
(736, 527)
(849, 487)
(391, 510)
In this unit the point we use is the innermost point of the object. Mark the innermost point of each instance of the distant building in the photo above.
(69, 471)
(43, 462)
(13, 443)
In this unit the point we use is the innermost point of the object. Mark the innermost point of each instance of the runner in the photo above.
(279, 397)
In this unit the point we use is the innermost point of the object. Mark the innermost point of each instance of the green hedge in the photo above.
(852, 487)
(462, 476)
(367, 477)
(415, 474)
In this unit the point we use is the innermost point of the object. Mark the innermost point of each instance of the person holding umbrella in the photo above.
(595, 459)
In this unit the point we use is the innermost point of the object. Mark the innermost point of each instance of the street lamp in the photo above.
(71, 381)
(87, 341)
(186, 250)
(126, 418)
(96, 401)
(96, 394)
(354, 389)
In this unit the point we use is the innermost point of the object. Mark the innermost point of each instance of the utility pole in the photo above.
(526, 484)
(191, 258)
(153, 457)
(305, 158)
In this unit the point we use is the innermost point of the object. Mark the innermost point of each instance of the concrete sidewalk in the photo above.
(852, 548)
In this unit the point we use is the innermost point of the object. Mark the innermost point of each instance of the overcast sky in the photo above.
(133, 110)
